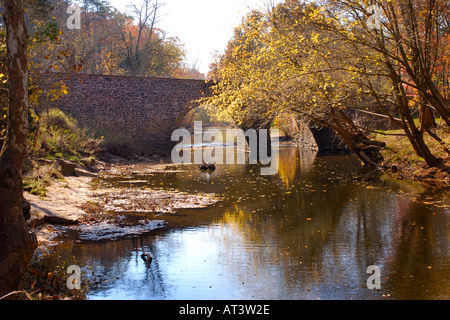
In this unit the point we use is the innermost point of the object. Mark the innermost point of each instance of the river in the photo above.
(309, 232)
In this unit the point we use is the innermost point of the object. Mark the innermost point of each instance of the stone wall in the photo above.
(137, 112)
(305, 137)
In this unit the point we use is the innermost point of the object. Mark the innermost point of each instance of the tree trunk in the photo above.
(368, 151)
(17, 242)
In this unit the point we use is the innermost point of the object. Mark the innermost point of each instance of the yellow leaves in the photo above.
(315, 37)
(236, 50)
(269, 69)
(58, 89)
(64, 89)
(3, 76)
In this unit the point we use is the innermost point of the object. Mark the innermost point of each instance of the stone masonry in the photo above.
(136, 112)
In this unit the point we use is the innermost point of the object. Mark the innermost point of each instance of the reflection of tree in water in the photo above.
(322, 237)
(419, 264)
(291, 221)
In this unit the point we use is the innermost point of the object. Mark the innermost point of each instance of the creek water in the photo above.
(309, 232)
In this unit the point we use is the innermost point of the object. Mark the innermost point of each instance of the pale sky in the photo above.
(202, 25)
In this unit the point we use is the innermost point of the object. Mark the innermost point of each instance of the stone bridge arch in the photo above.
(139, 114)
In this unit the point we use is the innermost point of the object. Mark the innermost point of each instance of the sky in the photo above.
(203, 26)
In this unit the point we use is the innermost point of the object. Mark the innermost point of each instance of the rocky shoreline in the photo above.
(73, 203)
(430, 177)
(61, 206)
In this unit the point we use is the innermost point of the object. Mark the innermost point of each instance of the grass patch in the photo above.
(60, 137)
(400, 151)
(57, 136)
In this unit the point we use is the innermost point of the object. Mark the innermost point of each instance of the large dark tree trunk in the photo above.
(367, 150)
(17, 243)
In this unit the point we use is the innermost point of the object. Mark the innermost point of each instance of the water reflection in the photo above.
(309, 232)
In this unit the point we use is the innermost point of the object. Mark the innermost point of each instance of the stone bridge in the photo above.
(139, 112)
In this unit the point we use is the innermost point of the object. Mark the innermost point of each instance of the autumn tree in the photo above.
(139, 39)
(325, 61)
(108, 42)
(243, 90)
(17, 242)
(148, 52)
(319, 82)
(275, 65)
(404, 47)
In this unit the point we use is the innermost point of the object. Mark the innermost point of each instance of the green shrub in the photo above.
(59, 136)
(57, 119)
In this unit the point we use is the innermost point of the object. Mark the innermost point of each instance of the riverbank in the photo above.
(431, 177)
(404, 164)
(67, 203)
(78, 203)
